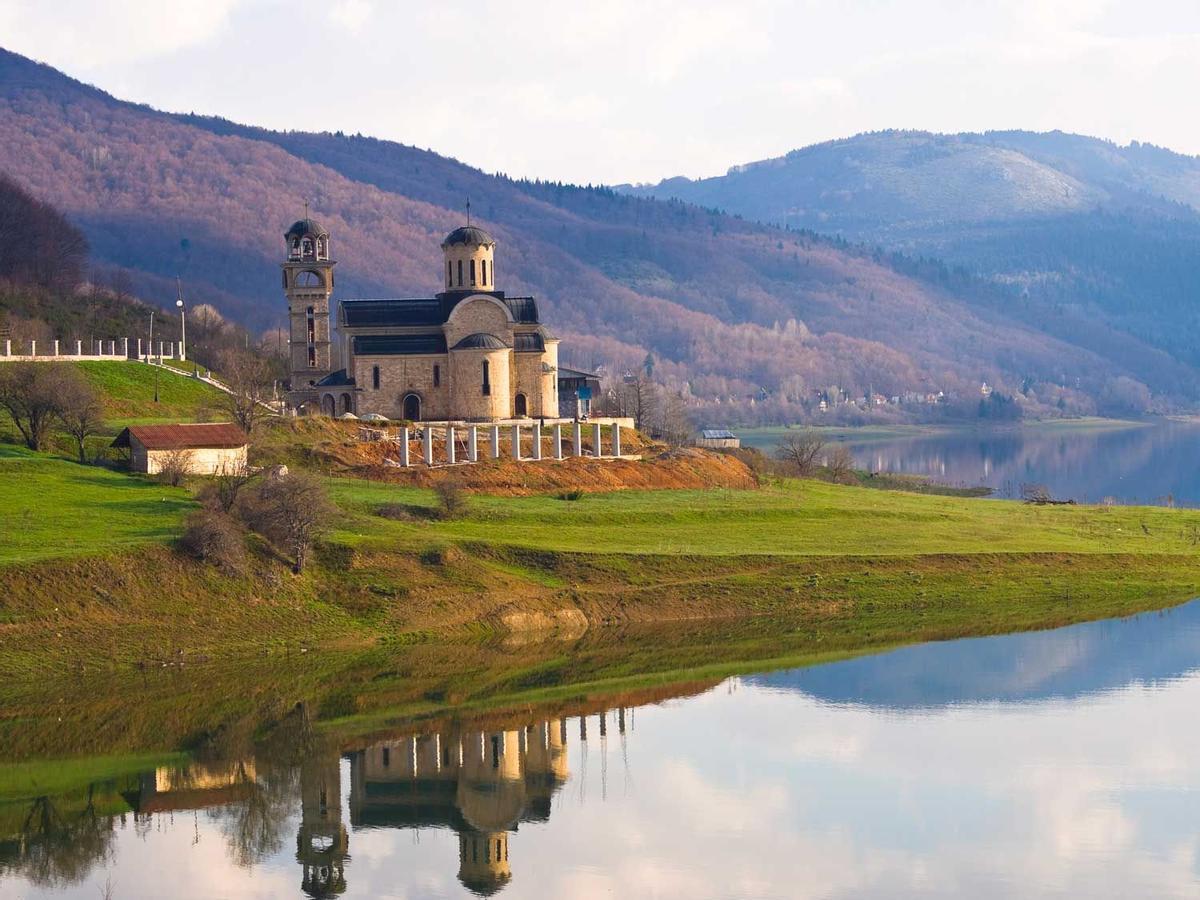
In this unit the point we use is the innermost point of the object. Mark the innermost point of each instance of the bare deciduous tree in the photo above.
(175, 466)
(800, 452)
(248, 377)
(216, 538)
(31, 393)
(80, 410)
(222, 490)
(293, 512)
(840, 464)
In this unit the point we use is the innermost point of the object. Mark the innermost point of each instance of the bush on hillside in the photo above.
(215, 538)
(451, 497)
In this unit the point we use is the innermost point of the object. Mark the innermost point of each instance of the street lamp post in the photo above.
(182, 320)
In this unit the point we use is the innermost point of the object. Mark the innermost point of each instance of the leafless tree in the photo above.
(639, 398)
(292, 512)
(222, 490)
(800, 452)
(80, 410)
(840, 465)
(175, 466)
(248, 376)
(672, 424)
(31, 393)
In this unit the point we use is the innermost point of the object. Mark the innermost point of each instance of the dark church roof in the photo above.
(468, 234)
(399, 344)
(367, 313)
(532, 341)
(301, 227)
(335, 379)
(385, 313)
(481, 341)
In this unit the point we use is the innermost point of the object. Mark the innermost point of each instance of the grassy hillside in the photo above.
(55, 508)
(724, 305)
(89, 579)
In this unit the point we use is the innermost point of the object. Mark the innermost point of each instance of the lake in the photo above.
(1051, 764)
(1140, 464)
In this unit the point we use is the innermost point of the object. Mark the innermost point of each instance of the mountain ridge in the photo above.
(731, 311)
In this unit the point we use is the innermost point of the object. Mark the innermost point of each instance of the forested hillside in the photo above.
(1095, 243)
(750, 321)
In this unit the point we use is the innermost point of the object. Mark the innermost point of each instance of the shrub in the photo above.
(800, 452)
(176, 465)
(215, 538)
(570, 495)
(840, 465)
(451, 497)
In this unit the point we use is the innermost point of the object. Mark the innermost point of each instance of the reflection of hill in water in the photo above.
(1142, 464)
(1064, 663)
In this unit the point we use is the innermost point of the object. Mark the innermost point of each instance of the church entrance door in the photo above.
(412, 407)
(520, 406)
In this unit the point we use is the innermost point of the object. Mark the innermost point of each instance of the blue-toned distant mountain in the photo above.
(1083, 237)
(1090, 658)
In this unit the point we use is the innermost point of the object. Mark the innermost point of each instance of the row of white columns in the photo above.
(166, 349)
(56, 348)
(473, 442)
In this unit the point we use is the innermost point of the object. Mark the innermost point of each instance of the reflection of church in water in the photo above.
(481, 784)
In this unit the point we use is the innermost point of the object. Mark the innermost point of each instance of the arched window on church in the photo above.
(375, 377)
(487, 382)
(460, 273)
(472, 273)
(437, 376)
(483, 272)
(449, 274)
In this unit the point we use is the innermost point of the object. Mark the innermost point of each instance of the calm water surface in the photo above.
(1144, 465)
(1054, 764)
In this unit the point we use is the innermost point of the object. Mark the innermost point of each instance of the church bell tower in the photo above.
(308, 285)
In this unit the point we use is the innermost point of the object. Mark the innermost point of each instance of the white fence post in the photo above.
(516, 443)
(495, 442)
(451, 454)
(139, 348)
(112, 348)
(597, 449)
(404, 447)
(473, 443)
(577, 439)
(537, 440)
(427, 444)
(125, 347)
(56, 346)
(616, 440)
(79, 348)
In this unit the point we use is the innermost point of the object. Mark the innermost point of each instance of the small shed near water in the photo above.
(718, 439)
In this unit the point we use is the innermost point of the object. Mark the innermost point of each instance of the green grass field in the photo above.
(790, 518)
(50, 507)
(128, 389)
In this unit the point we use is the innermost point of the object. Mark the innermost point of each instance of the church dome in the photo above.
(303, 227)
(468, 235)
(480, 341)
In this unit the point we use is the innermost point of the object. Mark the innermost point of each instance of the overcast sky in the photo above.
(636, 90)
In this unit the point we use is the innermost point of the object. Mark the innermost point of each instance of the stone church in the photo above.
(469, 353)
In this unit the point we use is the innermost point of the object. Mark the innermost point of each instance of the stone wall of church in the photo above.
(482, 314)
(467, 400)
(398, 376)
(539, 386)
